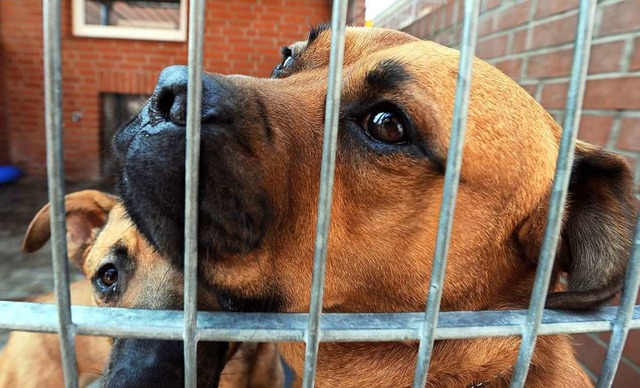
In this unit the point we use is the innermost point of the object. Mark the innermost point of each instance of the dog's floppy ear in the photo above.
(597, 231)
(86, 213)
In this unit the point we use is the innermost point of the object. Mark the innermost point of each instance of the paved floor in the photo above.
(22, 274)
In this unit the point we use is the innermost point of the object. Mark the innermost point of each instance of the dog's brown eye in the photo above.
(107, 276)
(384, 127)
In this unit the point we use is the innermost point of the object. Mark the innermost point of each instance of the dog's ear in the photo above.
(86, 213)
(597, 231)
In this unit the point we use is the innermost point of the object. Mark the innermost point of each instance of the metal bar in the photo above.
(192, 159)
(332, 112)
(575, 93)
(451, 181)
(55, 178)
(622, 323)
(273, 327)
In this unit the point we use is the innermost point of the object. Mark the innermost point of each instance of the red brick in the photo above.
(460, 11)
(629, 136)
(620, 17)
(595, 129)
(613, 93)
(510, 67)
(550, 65)
(604, 58)
(530, 88)
(490, 4)
(485, 25)
(448, 20)
(519, 41)
(554, 33)
(513, 16)
(554, 95)
(492, 47)
(548, 8)
(635, 59)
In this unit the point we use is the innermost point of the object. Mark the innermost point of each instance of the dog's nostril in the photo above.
(170, 99)
(165, 102)
(172, 105)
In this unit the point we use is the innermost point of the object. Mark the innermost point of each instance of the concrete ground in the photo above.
(22, 274)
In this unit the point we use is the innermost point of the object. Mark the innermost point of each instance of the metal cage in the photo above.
(314, 327)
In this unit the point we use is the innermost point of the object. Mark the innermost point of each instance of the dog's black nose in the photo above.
(170, 96)
(169, 99)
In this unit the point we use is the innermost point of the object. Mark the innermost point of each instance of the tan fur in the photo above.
(95, 223)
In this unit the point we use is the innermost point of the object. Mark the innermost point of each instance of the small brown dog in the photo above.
(260, 164)
(98, 233)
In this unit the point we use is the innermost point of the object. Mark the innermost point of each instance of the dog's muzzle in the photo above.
(155, 363)
(151, 152)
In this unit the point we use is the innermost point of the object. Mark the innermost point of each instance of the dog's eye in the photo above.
(286, 62)
(384, 127)
(107, 276)
(287, 58)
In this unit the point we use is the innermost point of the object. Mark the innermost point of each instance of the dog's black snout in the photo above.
(170, 97)
(137, 363)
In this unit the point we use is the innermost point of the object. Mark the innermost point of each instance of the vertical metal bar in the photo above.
(332, 113)
(55, 179)
(623, 318)
(450, 191)
(192, 158)
(573, 111)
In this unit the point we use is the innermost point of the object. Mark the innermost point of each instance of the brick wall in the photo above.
(242, 36)
(531, 41)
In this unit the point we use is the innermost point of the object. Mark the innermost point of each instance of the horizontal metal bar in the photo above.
(274, 327)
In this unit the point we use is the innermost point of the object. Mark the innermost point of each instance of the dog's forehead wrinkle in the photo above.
(387, 74)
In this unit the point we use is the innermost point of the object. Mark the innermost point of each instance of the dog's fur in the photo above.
(260, 164)
(97, 229)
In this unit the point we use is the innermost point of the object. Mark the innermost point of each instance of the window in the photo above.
(129, 19)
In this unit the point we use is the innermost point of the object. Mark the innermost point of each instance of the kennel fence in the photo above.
(315, 327)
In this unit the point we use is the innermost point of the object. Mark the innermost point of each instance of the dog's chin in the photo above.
(159, 363)
(233, 209)
(233, 301)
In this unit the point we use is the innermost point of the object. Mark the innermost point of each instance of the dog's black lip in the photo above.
(231, 301)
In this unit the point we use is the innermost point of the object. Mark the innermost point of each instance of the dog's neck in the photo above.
(455, 363)
(501, 376)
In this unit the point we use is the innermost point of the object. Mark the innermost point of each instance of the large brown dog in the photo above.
(261, 152)
(98, 234)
